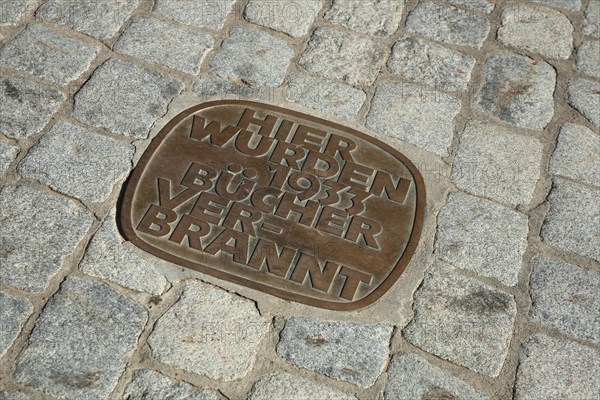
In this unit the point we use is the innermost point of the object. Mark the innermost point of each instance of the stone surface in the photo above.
(412, 377)
(147, 385)
(208, 14)
(82, 341)
(26, 106)
(463, 321)
(343, 56)
(573, 222)
(566, 297)
(557, 369)
(482, 237)
(255, 57)
(486, 6)
(48, 54)
(345, 351)
(518, 90)
(375, 17)
(14, 311)
(210, 332)
(213, 86)
(77, 162)
(591, 24)
(588, 58)
(415, 114)
(99, 18)
(448, 24)
(421, 61)
(34, 239)
(12, 10)
(571, 5)
(15, 396)
(326, 96)
(584, 95)
(290, 387)
(118, 90)
(494, 162)
(159, 42)
(293, 17)
(577, 154)
(108, 256)
(8, 152)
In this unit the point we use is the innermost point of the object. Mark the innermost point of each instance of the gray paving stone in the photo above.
(375, 17)
(494, 162)
(48, 54)
(557, 369)
(448, 24)
(82, 341)
(26, 106)
(324, 95)
(12, 10)
(210, 332)
(290, 387)
(255, 57)
(345, 351)
(584, 95)
(98, 18)
(415, 114)
(571, 5)
(147, 385)
(537, 29)
(34, 239)
(213, 86)
(573, 222)
(117, 91)
(14, 311)
(343, 56)
(588, 58)
(566, 297)
(577, 154)
(486, 6)
(412, 377)
(463, 321)
(108, 256)
(15, 396)
(77, 162)
(293, 17)
(591, 24)
(482, 237)
(208, 14)
(8, 152)
(156, 41)
(424, 62)
(518, 90)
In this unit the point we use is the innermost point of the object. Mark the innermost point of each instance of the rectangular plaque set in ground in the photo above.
(279, 201)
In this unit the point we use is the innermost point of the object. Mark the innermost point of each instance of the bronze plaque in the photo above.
(279, 201)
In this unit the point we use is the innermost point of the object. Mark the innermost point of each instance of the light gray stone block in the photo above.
(588, 58)
(577, 154)
(202, 13)
(290, 387)
(213, 86)
(375, 17)
(293, 17)
(584, 95)
(591, 23)
(486, 6)
(8, 152)
(147, 385)
(12, 10)
(571, 5)
(14, 311)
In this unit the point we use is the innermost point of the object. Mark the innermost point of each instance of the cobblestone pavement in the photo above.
(496, 102)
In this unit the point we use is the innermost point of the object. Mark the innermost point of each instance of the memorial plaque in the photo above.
(279, 201)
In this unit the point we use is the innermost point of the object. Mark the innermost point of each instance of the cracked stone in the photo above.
(577, 154)
(290, 387)
(584, 95)
(571, 5)
(463, 321)
(14, 311)
(591, 23)
(588, 58)
(12, 10)
(86, 361)
(8, 152)
(118, 90)
(201, 13)
(77, 162)
(485, 6)
(33, 239)
(147, 384)
(375, 17)
(213, 86)
(345, 351)
(293, 17)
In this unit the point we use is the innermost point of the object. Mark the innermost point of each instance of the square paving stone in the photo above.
(166, 44)
(577, 154)
(518, 90)
(202, 13)
(48, 54)
(482, 237)
(290, 387)
(571, 5)
(424, 62)
(124, 98)
(415, 114)
(375, 17)
(496, 163)
(573, 222)
(343, 56)
(12, 10)
(584, 95)
(463, 321)
(82, 341)
(14, 311)
(8, 152)
(557, 369)
(213, 86)
(77, 162)
(566, 297)
(486, 6)
(591, 24)
(345, 351)
(26, 106)
(255, 57)
(294, 17)
(148, 385)
(448, 24)
(588, 58)
(101, 19)
(35, 239)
